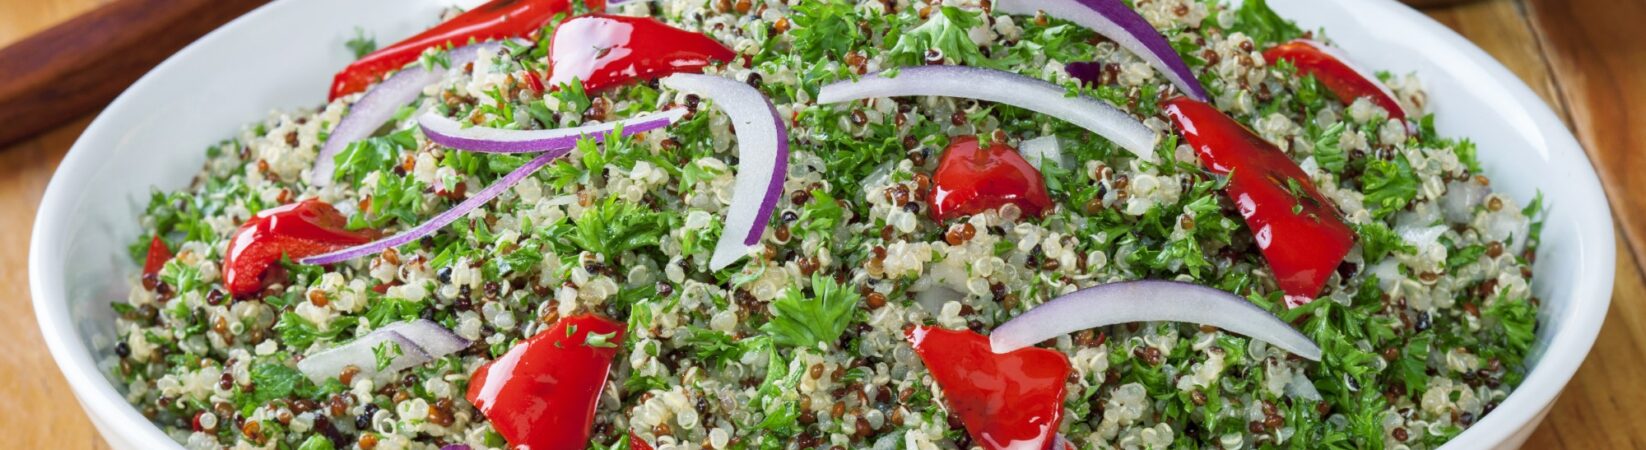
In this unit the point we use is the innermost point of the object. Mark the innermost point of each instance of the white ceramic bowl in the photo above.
(283, 55)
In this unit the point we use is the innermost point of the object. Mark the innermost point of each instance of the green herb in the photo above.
(316, 442)
(385, 310)
(599, 340)
(435, 57)
(807, 322)
(1413, 365)
(1377, 241)
(1328, 153)
(821, 214)
(1464, 256)
(612, 227)
(298, 332)
(385, 353)
(1389, 185)
(373, 154)
(1264, 26)
(948, 34)
(361, 45)
(273, 381)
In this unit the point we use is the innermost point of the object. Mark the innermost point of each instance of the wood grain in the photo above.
(1596, 53)
(1577, 54)
(77, 66)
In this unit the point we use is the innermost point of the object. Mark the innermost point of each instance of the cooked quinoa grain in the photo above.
(1425, 325)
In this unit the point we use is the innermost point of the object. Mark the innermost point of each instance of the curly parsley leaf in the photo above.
(361, 44)
(385, 353)
(1377, 241)
(273, 381)
(1389, 185)
(369, 155)
(947, 33)
(612, 227)
(1263, 24)
(1328, 153)
(806, 322)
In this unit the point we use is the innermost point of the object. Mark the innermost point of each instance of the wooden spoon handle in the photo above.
(76, 67)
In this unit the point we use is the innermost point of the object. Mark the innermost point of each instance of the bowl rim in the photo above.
(108, 410)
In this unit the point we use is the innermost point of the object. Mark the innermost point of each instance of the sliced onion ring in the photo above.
(763, 160)
(441, 220)
(1149, 301)
(382, 101)
(450, 133)
(433, 338)
(360, 353)
(1118, 22)
(1001, 87)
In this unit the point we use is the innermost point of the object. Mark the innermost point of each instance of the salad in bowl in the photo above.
(997, 224)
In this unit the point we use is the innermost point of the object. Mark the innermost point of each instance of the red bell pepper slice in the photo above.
(1334, 71)
(542, 394)
(157, 256)
(971, 179)
(636, 443)
(497, 19)
(1297, 228)
(605, 51)
(1007, 401)
(297, 230)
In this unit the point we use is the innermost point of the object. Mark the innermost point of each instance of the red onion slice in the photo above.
(433, 338)
(1001, 87)
(382, 101)
(1118, 22)
(441, 220)
(1149, 301)
(361, 353)
(763, 159)
(450, 133)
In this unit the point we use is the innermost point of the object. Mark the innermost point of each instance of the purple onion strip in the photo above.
(1118, 22)
(450, 133)
(444, 218)
(1006, 88)
(763, 159)
(382, 101)
(1149, 301)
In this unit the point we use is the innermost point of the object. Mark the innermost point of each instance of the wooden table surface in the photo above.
(1584, 57)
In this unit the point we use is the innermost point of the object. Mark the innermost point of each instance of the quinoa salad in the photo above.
(534, 238)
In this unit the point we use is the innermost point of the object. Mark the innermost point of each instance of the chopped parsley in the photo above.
(807, 322)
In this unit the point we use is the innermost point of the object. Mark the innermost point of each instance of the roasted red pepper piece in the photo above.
(1298, 229)
(971, 179)
(297, 230)
(157, 256)
(542, 394)
(497, 19)
(636, 443)
(605, 51)
(1007, 401)
(1336, 73)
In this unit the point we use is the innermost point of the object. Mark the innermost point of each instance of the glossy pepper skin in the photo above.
(497, 19)
(157, 256)
(1298, 229)
(636, 443)
(971, 179)
(1336, 73)
(542, 393)
(604, 51)
(296, 230)
(1010, 401)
